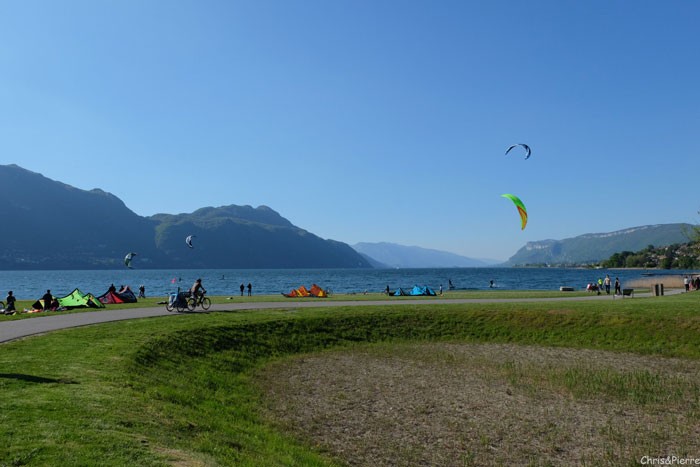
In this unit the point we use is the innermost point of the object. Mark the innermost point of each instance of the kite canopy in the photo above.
(78, 299)
(125, 295)
(425, 290)
(128, 258)
(188, 240)
(302, 291)
(317, 291)
(521, 208)
(525, 146)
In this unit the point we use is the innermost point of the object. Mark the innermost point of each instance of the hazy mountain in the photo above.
(374, 263)
(51, 225)
(400, 256)
(595, 247)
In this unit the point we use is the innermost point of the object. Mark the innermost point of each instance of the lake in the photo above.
(159, 282)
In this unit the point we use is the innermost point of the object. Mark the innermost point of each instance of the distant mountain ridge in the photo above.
(51, 225)
(595, 247)
(393, 255)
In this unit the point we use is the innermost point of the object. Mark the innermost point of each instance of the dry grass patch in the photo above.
(669, 281)
(463, 404)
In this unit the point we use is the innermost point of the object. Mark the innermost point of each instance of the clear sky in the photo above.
(365, 120)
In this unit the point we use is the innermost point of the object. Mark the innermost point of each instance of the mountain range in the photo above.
(51, 225)
(595, 247)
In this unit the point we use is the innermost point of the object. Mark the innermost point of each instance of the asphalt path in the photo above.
(17, 329)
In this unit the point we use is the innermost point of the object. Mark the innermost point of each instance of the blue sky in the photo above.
(365, 120)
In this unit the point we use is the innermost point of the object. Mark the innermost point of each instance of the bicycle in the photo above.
(177, 300)
(201, 300)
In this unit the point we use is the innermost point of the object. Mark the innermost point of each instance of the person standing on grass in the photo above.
(48, 298)
(250, 289)
(242, 289)
(686, 283)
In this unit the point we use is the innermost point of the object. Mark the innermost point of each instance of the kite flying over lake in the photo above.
(521, 208)
(128, 258)
(188, 240)
(525, 146)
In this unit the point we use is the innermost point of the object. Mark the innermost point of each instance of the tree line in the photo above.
(676, 256)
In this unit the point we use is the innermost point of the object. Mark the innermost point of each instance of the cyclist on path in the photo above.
(197, 289)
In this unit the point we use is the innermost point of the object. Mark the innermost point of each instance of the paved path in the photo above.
(11, 330)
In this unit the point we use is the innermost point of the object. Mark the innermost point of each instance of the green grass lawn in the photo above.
(178, 389)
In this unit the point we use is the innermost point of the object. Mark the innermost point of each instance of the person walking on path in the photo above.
(607, 284)
(618, 290)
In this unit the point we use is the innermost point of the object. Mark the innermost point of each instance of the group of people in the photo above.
(689, 282)
(605, 284)
(198, 290)
(47, 303)
(249, 287)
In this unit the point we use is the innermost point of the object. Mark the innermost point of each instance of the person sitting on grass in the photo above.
(10, 309)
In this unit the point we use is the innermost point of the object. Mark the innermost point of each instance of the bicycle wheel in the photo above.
(191, 303)
(206, 303)
(169, 306)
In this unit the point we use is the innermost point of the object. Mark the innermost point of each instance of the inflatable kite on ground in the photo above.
(527, 149)
(521, 208)
(128, 258)
(188, 240)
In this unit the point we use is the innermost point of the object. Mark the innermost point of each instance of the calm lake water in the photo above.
(160, 282)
